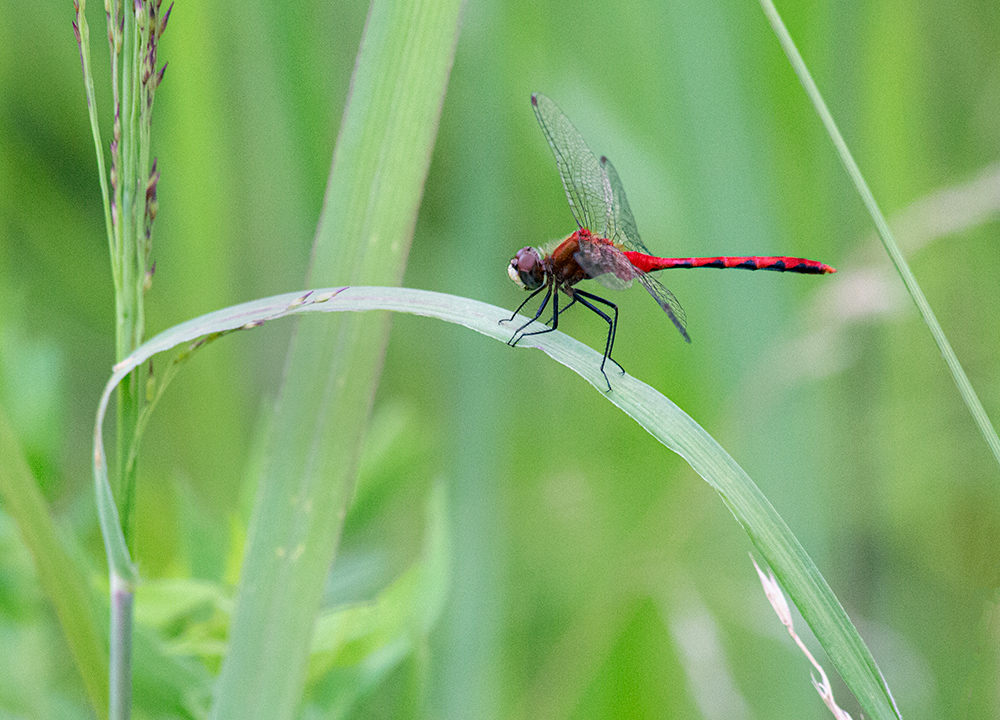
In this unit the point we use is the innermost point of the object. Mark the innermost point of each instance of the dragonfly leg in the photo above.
(583, 298)
(567, 307)
(556, 312)
(519, 333)
(526, 301)
(562, 311)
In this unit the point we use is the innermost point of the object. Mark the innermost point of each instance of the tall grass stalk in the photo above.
(965, 389)
(128, 191)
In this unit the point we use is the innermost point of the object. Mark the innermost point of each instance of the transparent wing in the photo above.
(622, 227)
(588, 188)
(625, 235)
(666, 300)
(597, 199)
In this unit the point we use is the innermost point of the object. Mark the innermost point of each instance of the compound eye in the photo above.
(526, 269)
(526, 260)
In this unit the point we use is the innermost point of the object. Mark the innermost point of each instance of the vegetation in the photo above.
(513, 546)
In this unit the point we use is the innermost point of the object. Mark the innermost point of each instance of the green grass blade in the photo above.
(67, 590)
(83, 35)
(373, 195)
(658, 415)
(969, 395)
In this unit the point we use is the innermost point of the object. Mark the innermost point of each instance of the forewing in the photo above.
(587, 188)
(621, 224)
(597, 199)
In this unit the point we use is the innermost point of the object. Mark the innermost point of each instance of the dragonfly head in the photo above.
(526, 269)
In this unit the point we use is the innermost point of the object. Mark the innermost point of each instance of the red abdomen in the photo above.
(649, 263)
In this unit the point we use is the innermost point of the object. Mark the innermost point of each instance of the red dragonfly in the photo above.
(606, 245)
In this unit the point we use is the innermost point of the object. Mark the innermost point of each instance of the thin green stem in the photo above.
(115, 31)
(120, 660)
(120, 686)
(131, 184)
(128, 210)
(885, 234)
(83, 30)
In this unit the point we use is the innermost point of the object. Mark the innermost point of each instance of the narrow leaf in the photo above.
(965, 389)
(67, 590)
(658, 415)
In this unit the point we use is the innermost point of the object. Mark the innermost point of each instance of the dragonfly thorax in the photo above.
(527, 269)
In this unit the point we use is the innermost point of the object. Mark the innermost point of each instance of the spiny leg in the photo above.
(519, 333)
(555, 315)
(562, 311)
(572, 302)
(582, 297)
(526, 301)
(600, 299)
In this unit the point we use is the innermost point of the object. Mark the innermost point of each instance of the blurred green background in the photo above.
(591, 573)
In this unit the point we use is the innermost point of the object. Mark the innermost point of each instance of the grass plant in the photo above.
(427, 523)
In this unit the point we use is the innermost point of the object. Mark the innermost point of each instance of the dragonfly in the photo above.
(605, 245)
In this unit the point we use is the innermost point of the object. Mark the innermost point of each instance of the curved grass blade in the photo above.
(658, 415)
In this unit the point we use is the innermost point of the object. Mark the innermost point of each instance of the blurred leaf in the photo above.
(353, 650)
(191, 616)
(312, 453)
(67, 589)
(368, 641)
(167, 684)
